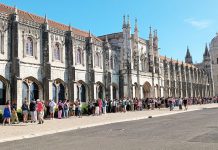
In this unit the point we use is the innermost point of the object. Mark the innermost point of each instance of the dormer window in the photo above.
(29, 46)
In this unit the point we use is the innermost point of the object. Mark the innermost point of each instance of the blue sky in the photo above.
(179, 22)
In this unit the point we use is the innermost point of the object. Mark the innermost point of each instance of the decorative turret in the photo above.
(106, 43)
(155, 41)
(188, 57)
(46, 23)
(206, 55)
(124, 21)
(136, 35)
(128, 22)
(15, 14)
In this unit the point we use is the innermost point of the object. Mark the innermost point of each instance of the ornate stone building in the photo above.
(40, 58)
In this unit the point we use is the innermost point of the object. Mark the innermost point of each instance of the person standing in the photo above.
(25, 109)
(185, 102)
(7, 113)
(66, 108)
(79, 105)
(40, 111)
(52, 109)
(180, 103)
(33, 111)
(60, 109)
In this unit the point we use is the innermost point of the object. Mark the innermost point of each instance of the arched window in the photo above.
(29, 46)
(79, 56)
(34, 91)
(54, 92)
(2, 93)
(24, 92)
(97, 59)
(57, 52)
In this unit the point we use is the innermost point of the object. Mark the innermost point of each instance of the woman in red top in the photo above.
(40, 109)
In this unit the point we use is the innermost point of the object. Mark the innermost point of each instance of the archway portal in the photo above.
(61, 92)
(2, 93)
(34, 91)
(147, 90)
(81, 92)
(100, 91)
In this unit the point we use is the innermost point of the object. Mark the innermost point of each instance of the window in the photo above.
(54, 92)
(29, 46)
(217, 78)
(217, 60)
(79, 56)
(24, 92)
(97, 59)
(57, 52)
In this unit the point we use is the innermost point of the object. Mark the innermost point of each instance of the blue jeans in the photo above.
(66, 113)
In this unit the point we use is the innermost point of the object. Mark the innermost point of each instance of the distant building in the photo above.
(40, 58)
(213, 54)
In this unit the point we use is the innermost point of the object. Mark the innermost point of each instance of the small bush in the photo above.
(84, 109)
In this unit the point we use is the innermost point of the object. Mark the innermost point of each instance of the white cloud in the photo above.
(198, 24)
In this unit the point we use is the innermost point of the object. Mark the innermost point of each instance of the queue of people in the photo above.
(38, 110)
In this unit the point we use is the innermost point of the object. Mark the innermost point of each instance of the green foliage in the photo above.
(84, 108)
(19, 114)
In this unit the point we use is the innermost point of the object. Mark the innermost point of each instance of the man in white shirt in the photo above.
(52, 108)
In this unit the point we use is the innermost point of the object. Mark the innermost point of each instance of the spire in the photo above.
(106, 39)
(15, 10)
(90, 37)
(128, 22)
(124, 21)
(45, 19)
(69, 27)
(150, 34)
(188, 57)
(206, 52)
(136, 25)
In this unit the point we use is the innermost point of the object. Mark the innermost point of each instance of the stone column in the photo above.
(111, 93)
(133, 91)
(50, 91)
(95, 94)
(75, 91)
(19, 93)
(141, 91)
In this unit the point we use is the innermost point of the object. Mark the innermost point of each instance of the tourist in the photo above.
(185, 102)
(60, 109)
(100, 106)
(180, 103)
(51, 108)
(73, 109)
(25, 109)
(66, 108)
(33, 112)
(104, 105)
(40, 111)
(14, 117)
(79, 106)
(7, 113)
